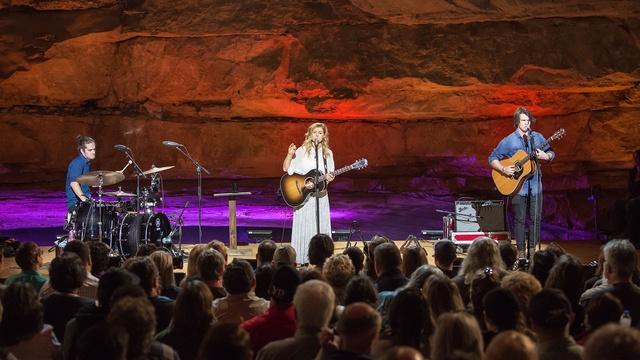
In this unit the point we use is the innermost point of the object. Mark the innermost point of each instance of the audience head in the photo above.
(147, 271)
(112, 280)
(613, 341)
(284, 285)
(444, 253)
(238, 277)
(22, 316)
(225, 341)
(410, 319)
(443, 295)
(387, 258)
(192, 261)
(220, 246)
(338, 270)
(620, 260)
(102, 342)
(266, 249)
(361, 289)
(412, 258)
(99, 257)
(137, 318)
(314, 303)
(542, 263)
(164, 264)
(483, 252)
(601, 310)
(320, 248)
(307, 274)
(482, 282)
(402, 353)
(556, 249)
(193, 312)
(422, 274)
(502, 311)
(67, 272)
(210, 265)
(29, 256)
(567, 275)
(511, 345)
(264, 275)
(358, 327)
(550, 312)
(146, 249)
(284, 254)
(357, 258)
(523, 285)
(81, 249)
(457, 336)
(509, 255)
(369, 250)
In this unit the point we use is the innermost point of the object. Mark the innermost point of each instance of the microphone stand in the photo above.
(317, 191)
(199, 170)
(139, 173)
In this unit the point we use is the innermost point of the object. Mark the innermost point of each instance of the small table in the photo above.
(233, 226)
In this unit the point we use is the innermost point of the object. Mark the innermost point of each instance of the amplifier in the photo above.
(480, 215)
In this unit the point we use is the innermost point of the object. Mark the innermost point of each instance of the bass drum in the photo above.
(136, 229)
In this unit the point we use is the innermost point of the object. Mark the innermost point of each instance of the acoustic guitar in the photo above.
(293, 188)
(525, 167)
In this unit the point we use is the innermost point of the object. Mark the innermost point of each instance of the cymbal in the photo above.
(93, 178)
(155, 169)
(119, 193)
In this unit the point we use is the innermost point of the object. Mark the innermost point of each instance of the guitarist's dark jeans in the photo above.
(519, 210)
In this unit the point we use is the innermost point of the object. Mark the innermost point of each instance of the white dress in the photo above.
(304, 217)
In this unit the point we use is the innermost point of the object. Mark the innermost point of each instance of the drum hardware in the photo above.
(199, 169)
(119, 193)
(449, 222)
(100, 178)
(154, 169)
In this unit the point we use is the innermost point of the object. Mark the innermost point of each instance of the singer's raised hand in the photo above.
(292, 149)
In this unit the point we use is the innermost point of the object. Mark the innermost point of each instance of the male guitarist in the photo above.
(531, 191)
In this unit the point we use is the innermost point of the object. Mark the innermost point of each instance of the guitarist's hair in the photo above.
(325, 141)
(519, 111)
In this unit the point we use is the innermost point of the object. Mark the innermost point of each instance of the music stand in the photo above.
(233, 226)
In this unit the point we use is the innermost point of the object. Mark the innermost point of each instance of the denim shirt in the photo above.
(514, 142)
(78, 166)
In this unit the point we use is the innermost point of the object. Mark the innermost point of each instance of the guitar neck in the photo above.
(342, 170)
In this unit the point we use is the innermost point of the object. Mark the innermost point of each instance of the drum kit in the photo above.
(124, 220)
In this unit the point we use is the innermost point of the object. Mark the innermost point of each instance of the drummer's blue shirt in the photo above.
(78, 166)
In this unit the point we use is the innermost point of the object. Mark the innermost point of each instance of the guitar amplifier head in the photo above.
(480, 215)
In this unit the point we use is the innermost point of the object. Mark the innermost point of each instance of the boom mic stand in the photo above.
(199, 170)
(317, 190)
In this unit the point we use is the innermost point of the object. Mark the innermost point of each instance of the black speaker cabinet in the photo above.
(480, 215)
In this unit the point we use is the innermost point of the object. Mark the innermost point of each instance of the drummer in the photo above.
(80, 165)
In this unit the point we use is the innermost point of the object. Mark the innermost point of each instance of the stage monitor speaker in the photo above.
(481, 215)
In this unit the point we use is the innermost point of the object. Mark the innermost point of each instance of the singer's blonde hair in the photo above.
(308, 141)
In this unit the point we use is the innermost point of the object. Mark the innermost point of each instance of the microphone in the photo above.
(171, 144)
(121, 147)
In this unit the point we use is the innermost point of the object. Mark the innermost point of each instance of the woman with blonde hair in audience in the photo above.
(483, 253)
(412, 258)
(457, 336)
(442, 295)
(338, 270)
(192, 261)
(164, 263)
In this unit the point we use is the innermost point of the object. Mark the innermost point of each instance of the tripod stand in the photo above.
(355, 229)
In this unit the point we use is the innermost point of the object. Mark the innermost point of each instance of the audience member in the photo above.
(278, 322)
(29, 259)
(620, 263)
(102, 342)
(541, 264)
(601, 310)
(220, 247)
(284, 254)
(567, 276)
(402, 353)
(421, 275)
(95, 313)
(551, 316)
(136, 316)
(483, 253)
(357, 258)
(240, 304)
(146, 249)
(511, 345)
(369, 250)
(266, 249)
(613, 341)
(444, 254)
(358, 329)
(509, 255)
(361, 289)
(320, 248)
(100, 260)
(457, 336)
(502, 313)
(67, 274)
(387, 264)
(264, 276)
(338, 270)
(23, 332)
(524, 286)
(164, 262)
(314, 304)
(210, 270)
(192, 317)
(147, 271)
(412, 258)
(225, 341)
(442, 295)
(482, 283)
(192, 260)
